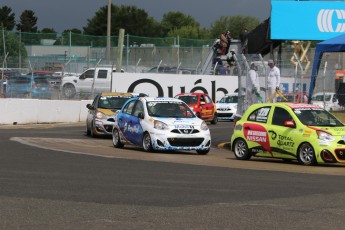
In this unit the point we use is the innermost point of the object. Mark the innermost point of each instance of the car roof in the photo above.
(116, 94)
(191, 94)
(286, 105)
(166, 99)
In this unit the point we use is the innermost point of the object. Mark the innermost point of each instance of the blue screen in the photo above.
(307, 20)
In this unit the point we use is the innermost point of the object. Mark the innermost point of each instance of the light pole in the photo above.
(108, 31)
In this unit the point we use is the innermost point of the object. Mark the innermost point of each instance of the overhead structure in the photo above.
(336, 44)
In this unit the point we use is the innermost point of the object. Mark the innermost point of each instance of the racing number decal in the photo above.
(257, 133)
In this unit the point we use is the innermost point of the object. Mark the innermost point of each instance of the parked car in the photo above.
(201, 104)
(326, 100)
(302, 132)
(99, 119)
(53, 80)
(28, 86)
(160, 124)
(290, 96)
(227, 107)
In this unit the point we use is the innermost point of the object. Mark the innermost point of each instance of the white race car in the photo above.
(160, 123)
(227, 107)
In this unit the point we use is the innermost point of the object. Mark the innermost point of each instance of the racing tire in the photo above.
(116, 139)
(92, 131)
(241, 150)
(202, 151)
(69, 91)
(147, 142)
(215, 119)
(88, 131)
(306, 155)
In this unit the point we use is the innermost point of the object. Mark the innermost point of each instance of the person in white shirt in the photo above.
(253, 85)
(273, 79)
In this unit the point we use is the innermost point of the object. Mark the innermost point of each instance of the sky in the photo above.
(68, 14)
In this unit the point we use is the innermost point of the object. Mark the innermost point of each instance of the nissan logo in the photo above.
(324, 20)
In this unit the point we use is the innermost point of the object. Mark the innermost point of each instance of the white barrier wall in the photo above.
(26, 111)
(32, 111)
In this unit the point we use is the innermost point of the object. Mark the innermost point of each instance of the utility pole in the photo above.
(108, 32)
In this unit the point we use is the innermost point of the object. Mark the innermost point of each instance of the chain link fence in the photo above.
(66, 54)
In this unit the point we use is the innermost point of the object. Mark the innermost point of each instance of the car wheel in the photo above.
(215, 119)
(306, 154)
(92, 131)
(88, 131)
(116, 139)
(203, 151)
(241, 150)
(69, 91)
(147, 143)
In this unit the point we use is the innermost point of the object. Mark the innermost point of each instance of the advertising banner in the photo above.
(307, 20)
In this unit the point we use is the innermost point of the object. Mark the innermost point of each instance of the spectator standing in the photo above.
(228, 38)
(223, 42)
(253, 85)
(273, 79)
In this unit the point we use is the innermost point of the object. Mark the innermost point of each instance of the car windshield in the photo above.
(112, 102)
(188, 99)
(229, 99)
(316, 117)
(169, 109)
(320, 97)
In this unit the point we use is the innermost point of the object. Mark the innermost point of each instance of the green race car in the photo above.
(302, 132)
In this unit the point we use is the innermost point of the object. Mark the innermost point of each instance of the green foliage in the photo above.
(12, 45)
(7, 18)
(189, 31)
(28, 22)
(234, 24)
(176, 20)
(135, 21)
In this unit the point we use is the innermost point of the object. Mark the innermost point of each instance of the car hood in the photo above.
(335, 131)
(180, 121)
(108, 112)
(225, 105)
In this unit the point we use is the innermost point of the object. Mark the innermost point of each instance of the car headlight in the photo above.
(325, 136)
(100, 115)
(203, 126)
(160, 125)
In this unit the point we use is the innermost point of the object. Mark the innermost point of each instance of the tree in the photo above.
(7, 18)
(135, 21)
(234, 24)
(13, 47)
(48, 30)
(189, 31)
(28, 22)
(176, 20)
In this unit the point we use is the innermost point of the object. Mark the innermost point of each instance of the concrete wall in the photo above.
(31, 111)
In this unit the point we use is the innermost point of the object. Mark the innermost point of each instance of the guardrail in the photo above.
(33, 111)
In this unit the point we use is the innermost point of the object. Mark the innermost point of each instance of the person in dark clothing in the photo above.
(244, 41)
(228, 38)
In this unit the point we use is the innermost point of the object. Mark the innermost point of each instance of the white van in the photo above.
(326, 100)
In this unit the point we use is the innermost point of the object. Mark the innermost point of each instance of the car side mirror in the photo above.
(90, 107)
(141, 115)
(290, 124)
(82, 77)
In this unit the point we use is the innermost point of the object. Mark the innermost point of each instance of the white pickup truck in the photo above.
(98, 79)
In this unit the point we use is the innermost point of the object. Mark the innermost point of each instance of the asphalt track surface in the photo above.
(55, 177)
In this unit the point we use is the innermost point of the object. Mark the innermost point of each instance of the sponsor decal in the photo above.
(325, 20)
(257, 133)
(284, 141)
